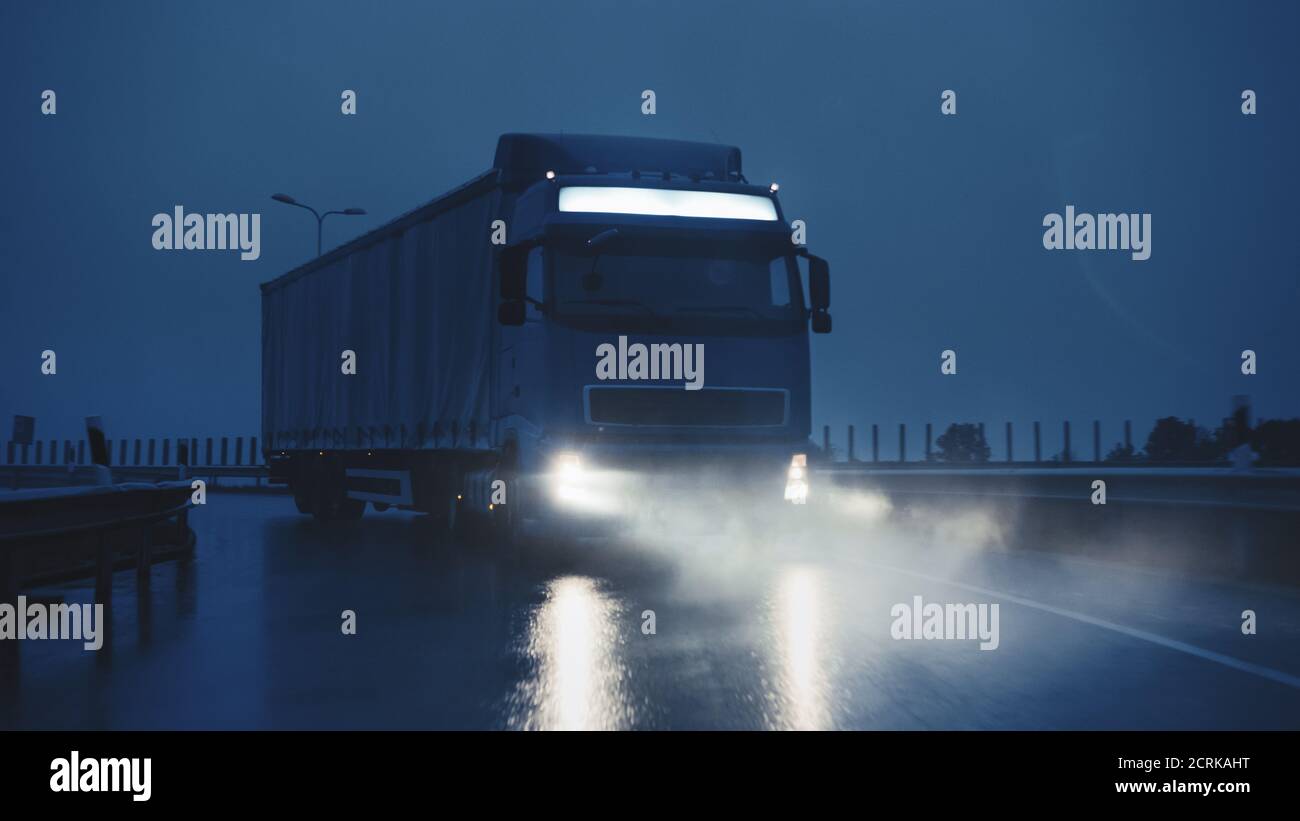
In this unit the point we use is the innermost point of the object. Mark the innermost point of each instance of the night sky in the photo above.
(932, 224)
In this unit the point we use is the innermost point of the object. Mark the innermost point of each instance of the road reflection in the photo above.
(802, 695)
(578, 679)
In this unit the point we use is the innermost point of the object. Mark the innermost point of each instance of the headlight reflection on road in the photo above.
(578, 680)
(802, 690)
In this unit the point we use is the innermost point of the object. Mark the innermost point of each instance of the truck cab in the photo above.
(654, 322)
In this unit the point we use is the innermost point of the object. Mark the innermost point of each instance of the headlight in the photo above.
(568, 483)
(796, 480)
(568, 466)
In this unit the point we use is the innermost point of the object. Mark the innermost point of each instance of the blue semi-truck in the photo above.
(549, 341)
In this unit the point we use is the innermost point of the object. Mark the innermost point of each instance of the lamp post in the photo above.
(320, 218)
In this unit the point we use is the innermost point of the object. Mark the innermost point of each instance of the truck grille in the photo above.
(676, 407)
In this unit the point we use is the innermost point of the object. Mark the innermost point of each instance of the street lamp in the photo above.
(320, 218)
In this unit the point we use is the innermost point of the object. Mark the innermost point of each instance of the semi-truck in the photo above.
(592, 318)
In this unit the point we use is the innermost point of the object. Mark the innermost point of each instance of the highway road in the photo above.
(760, 620)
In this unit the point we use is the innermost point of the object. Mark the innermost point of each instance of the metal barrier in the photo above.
(51, 518)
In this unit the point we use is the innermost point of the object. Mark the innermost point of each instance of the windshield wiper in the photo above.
(636, 303)
(732, 308)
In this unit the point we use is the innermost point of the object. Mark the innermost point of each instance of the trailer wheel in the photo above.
(330, 500)
(506, 523)
(453, 515)
(324, 505)
(350, 509)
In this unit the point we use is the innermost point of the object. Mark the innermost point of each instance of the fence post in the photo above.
(902, 442)
(40, 456)
(104, 575)
(927, 441)
(1128, 434)
(167, 452)
(144, 561)
(121, 452)
(208, 461)
(100, 454)
(10, 658)
(1038, 443)
(152, 444)
(225, 447)
(81, 451)
(252, 451)
(1010, 457)
(137, 452)
(875, 443)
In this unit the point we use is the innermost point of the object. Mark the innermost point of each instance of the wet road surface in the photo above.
(759, 622)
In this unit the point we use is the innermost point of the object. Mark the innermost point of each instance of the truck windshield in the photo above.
(675, 287)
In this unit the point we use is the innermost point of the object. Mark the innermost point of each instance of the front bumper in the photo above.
(580, 486)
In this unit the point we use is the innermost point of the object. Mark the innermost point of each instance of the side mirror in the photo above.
(819, 284)
(821, 323)
(511, 312)
(514, 272)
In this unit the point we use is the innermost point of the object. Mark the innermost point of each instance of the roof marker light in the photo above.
(666, 202)
(550, 175)
(774, 188)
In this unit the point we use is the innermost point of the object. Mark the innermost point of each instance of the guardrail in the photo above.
(1218, 522)
(873, 454)
(62, 520)
(17, 477)
(1275, 489)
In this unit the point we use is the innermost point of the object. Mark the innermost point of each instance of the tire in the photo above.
(330, 501)
(350, 509)
(506, 523)
(453, 521)
(502, 526)
(323, 506)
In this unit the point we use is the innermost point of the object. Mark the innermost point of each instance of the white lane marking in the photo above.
(1173, 644)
